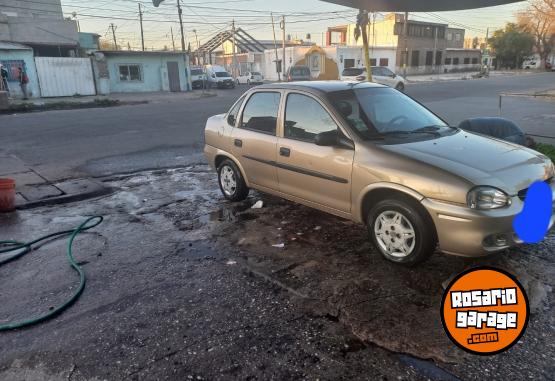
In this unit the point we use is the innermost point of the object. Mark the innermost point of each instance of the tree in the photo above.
(105, 44)
(512, 45)
(361, 29)
(539, 21)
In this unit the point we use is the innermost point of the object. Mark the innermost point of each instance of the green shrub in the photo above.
(547, 149)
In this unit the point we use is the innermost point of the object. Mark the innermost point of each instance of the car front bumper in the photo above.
(226, 84)
(473, 233)
(198, 83)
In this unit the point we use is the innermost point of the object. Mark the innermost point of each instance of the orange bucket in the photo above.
(7, 195)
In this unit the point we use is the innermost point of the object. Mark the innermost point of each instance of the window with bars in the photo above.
(415, 58)
(130, 73)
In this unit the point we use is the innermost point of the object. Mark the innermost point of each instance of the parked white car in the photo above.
(219, 77)
(531, 63)
(250, 78)
(380, 75)
(198, 77)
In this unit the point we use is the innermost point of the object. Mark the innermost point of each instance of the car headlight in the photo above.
(486, 198)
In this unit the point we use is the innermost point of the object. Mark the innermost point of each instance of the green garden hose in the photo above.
(22, 248)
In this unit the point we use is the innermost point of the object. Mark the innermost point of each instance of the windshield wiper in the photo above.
(383, 135)
(434, 130)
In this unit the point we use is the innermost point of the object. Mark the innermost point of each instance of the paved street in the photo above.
(62, 144)
(182, 284)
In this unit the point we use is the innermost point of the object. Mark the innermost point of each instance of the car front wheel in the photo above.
(400, 86)
(231, 181)
(401, 232)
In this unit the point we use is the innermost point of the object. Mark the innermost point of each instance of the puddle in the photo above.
(226, 215)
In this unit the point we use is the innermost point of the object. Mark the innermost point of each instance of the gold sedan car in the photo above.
(373, 155)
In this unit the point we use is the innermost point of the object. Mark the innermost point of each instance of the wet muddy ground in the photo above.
(185, 285)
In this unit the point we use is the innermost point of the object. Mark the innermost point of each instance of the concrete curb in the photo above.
(73, 191)
(66, 199)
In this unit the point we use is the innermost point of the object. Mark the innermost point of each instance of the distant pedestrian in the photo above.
(23, 81)
(4, 79)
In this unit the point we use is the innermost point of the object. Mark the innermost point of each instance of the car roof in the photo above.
(321, 86)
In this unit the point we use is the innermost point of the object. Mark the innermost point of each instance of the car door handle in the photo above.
(238, 143)
(285, 152)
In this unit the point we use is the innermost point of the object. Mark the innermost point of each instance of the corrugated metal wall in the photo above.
(65, 77)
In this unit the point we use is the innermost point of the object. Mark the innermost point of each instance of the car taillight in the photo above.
(361, 78)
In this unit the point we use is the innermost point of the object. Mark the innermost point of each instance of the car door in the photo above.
(389, 77)
(255, 140)
(310, 172)
(378, 76)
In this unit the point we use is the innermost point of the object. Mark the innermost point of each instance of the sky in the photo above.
(211, 16)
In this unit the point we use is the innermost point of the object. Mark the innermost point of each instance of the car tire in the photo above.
(400, 87)
(231, 181)
(248, 82)
(392, 223)
(237, 81)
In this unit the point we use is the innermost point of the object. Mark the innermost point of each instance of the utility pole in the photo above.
(113, 27)
(486, 51)
(198, 47)
(235, 71)
(282, 26)
(275, 47)
(406, 47)
(173, 41)
(434, 58)
(180, 12)
(142, 32)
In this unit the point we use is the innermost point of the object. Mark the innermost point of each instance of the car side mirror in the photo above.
(333, 139)
(231, 120)
(327, 139)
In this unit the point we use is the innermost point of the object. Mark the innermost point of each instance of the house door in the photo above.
(173, 76)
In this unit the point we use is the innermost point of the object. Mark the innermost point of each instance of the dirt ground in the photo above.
(184, 285)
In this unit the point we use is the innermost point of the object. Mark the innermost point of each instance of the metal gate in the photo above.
(65, 77)
(173, 76)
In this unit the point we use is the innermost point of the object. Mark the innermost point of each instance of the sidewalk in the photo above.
(463, 76)
(33, 189)
(112, 100)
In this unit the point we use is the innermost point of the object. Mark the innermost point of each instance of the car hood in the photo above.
(480, 160)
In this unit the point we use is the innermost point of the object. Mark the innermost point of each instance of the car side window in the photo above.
(234, 112)
(387, 73)
(305, 118)
(261, 112)
(378, 71)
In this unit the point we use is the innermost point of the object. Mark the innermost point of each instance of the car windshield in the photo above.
(381, 112)
(353, 72)
(222, 74)
(255, 73)
(196, 72)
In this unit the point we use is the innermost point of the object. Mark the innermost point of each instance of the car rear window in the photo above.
(223, 74)
(300, 71)
(255, 73)
(353, 72)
